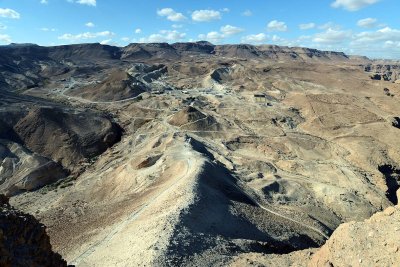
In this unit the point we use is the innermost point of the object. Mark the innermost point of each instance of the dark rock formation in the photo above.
(221, 74)
(396, 122)
(24, 241)
(392, 178)
(67, 136)
(385, 72)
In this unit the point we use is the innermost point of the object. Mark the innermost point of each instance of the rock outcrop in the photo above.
(384, 72)
(221, 75)
(42, 141)
(374, 242)
(21, 170)
(23, 240)
(67, 136)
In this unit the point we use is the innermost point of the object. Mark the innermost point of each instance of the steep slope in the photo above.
(84, 53)
(136, 51)
(386, 72)
(118, 85)
(373, 242)
(23, 240)
(67, 137)
(194, 48)
(240, 51)
(42, 141)
(21, 170)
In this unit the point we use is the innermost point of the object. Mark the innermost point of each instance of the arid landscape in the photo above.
(193, 154)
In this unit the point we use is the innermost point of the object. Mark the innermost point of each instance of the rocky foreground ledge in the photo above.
(372, 242)
(23, 240)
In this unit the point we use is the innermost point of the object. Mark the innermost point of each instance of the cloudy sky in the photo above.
(364, 27)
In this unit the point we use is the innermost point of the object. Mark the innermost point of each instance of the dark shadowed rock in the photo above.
(67, 136)
(23, 240)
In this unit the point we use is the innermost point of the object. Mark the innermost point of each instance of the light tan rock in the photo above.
(353, 245)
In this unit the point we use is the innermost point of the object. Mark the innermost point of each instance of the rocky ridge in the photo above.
(23, 240)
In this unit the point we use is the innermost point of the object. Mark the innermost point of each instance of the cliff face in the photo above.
(23, 240)
(374, 242)
(384, 72)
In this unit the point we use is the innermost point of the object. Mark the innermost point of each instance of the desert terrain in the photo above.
(193, 154)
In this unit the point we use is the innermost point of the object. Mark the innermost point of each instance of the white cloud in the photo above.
(171, 14)
(44, 29)
(332, 36)
(177, 26)
(381, 35)
(90, 24)
(307, 26)
(353, 5)
(125, 39)
(278, 26)
(9, 13)
(4, 38)
(254, 38)
(329, 25)
(225, 9)
(247, 13)
(213, 37)
(206, 15)
(87, 2)
(163, 36)
(44, 2)
(276, 38)
(367, 23)
(85, 36)
(231, 30)
(3, 27)
(138, 30)
(105, 42)
(392, 44)
(380, 43)
(218, 37)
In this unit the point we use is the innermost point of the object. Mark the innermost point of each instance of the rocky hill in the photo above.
(372, 242)
(42, 142)
(382, 71)
(23, 240)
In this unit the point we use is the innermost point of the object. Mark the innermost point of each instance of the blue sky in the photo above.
(365, 27)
